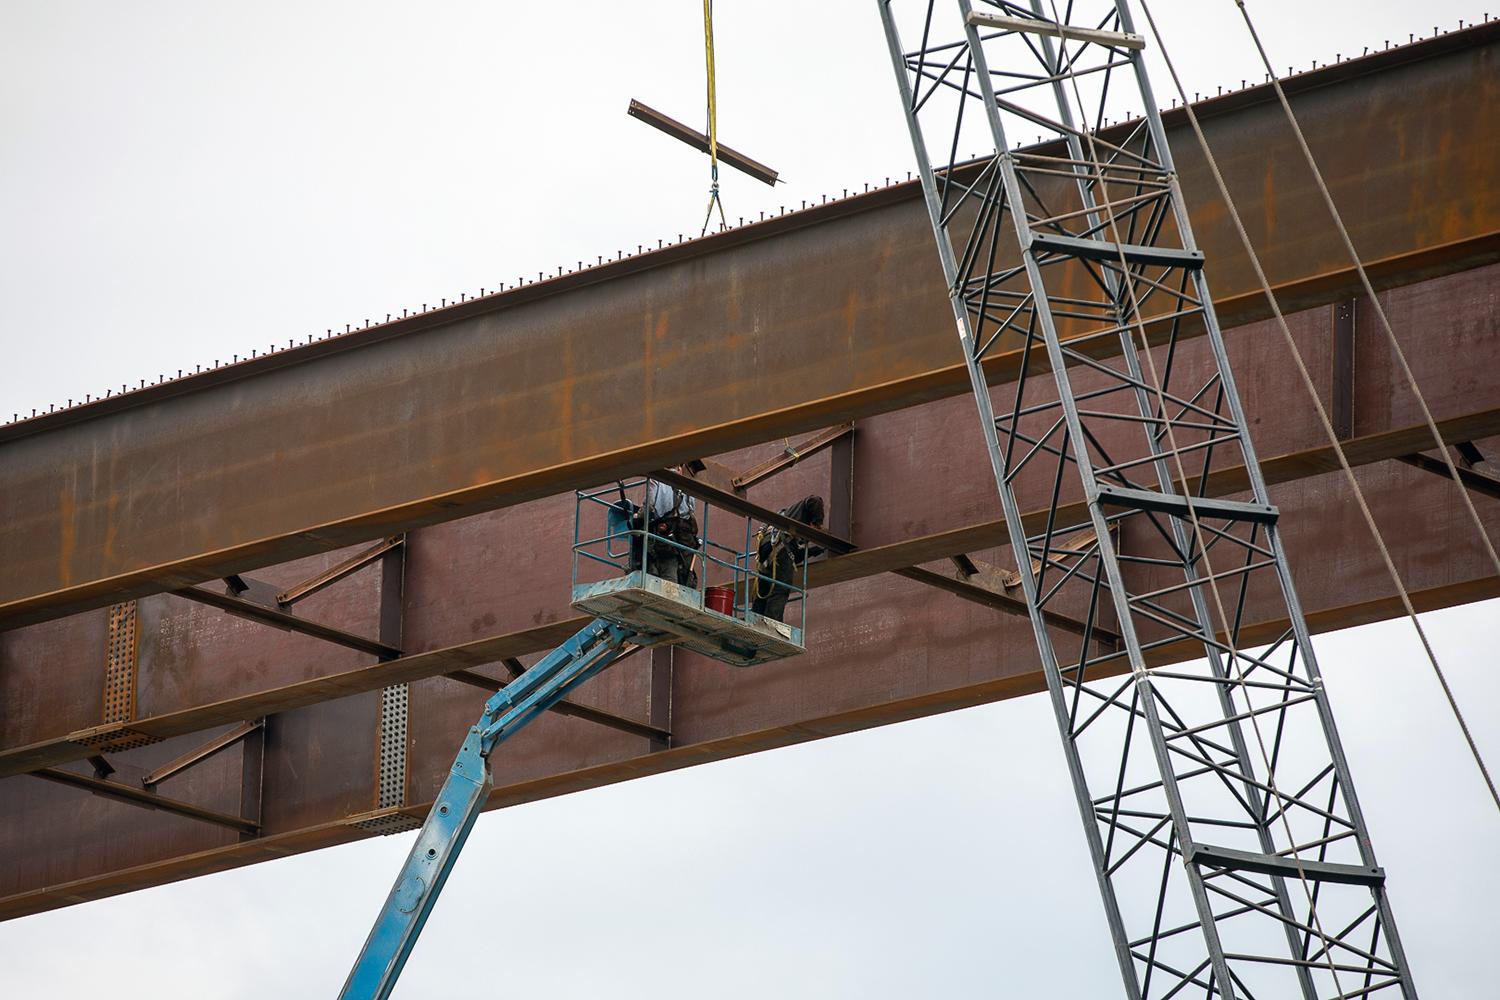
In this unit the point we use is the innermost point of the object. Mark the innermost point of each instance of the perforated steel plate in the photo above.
(116, 739)
(392, 778)
(119, 664)
(387, 824)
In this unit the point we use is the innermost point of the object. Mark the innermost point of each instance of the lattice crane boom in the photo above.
(1230, 849)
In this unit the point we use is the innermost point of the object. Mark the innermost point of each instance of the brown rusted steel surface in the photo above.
(137, 796)
(884, 649)
(1480, 482)
(334, 574)
(491, 586)
(201, 753)
(657, 359)
(791, 455)
(277, 618)
(206, 668)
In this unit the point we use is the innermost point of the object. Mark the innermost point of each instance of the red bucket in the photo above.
(720, 599)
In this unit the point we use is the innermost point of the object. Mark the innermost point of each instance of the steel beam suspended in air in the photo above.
(1230, 849)
(699, 141)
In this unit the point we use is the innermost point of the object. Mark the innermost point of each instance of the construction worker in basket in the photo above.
(671, 519)
(779, 555)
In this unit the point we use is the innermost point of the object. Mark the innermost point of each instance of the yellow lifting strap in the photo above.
(713, 120)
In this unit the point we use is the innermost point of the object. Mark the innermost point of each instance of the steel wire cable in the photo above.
(1283, 807)
(1312, 393)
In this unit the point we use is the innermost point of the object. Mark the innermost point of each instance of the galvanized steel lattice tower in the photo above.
(1230, 849)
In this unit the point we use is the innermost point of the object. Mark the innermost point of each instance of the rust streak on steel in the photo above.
(846, 295)
(1474, 37)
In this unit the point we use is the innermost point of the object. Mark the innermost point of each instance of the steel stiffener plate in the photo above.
(120, 666)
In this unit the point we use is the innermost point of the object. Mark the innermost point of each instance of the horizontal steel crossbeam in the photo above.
(1051, 29)
(1185, 507)
(286, 620)
(1110, 253)
(1229, 859)
(148, 800)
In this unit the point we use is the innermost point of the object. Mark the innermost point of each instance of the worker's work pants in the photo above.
(783, 571)
(668, 561)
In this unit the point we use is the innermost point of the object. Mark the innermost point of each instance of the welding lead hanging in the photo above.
(713, 122)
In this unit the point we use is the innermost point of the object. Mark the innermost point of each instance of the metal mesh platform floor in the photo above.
(654, 605)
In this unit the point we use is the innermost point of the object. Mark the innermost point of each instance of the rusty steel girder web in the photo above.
(845, 293)
(1231, 852)
(203, 673)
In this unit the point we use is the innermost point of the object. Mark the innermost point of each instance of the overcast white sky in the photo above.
(180, 182)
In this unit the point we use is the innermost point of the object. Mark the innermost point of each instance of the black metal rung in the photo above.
(1275, 864)
(1133, 253)
(1171, 503)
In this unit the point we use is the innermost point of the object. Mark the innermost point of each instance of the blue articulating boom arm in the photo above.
(434, 854)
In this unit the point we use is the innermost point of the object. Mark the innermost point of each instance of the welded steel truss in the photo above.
(1230, 850)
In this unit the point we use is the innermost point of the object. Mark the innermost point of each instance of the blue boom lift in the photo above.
(635, 609)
